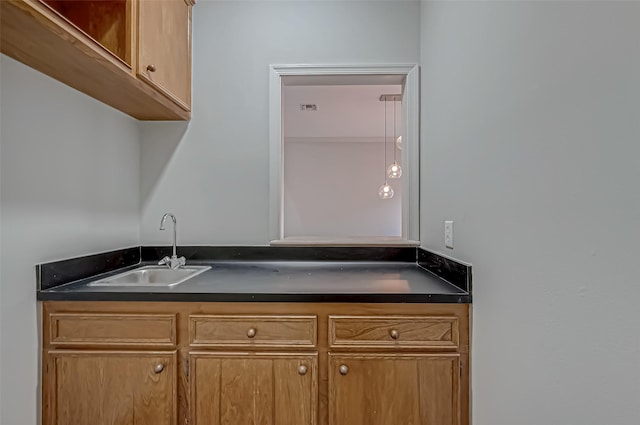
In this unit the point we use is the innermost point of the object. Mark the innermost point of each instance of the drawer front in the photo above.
(144, 330)
(247, 331)
(394, 332)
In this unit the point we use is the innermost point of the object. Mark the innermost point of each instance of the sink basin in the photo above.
(152, 276)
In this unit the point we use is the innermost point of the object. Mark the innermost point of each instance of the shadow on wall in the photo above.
(159, 141)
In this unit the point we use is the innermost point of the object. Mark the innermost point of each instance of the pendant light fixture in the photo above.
(399, 143)
(394, 171)
(385, 191)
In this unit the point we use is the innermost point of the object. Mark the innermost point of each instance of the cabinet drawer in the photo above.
(246, 331)
(394, 331)
(75, 329)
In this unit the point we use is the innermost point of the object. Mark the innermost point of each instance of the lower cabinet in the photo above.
(110, 388)
(383, 389)
(182, 363)
(247, 388)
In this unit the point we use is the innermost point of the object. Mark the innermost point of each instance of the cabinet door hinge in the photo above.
(186, 369)
(460, 370)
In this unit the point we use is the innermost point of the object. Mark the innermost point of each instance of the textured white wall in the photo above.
(69, 186)
(530, 143)
(215, 175)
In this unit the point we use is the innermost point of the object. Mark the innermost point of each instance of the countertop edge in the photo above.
(253, 297)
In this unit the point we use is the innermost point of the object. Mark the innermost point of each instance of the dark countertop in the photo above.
(281, 281)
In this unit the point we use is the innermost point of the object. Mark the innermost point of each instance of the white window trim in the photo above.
(410, 151)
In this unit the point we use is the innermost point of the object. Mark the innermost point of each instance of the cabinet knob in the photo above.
(344, 369)
(158, 368)
(302, 370)
(394, 334)
(151, 68)
(251, 332)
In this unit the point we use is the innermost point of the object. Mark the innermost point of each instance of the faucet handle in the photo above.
(173, 262)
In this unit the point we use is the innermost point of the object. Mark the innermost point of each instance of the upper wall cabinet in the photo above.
(134, 55)
(164, 48)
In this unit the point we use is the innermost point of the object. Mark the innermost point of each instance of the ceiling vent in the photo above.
(308, 107)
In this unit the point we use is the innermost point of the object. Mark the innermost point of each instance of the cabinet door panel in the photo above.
(382, 389)
(112, 388)
(265, 389)
(245, 396)
(164, 47)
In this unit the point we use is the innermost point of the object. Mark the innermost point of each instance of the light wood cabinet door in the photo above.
(110, 388)
(164, 48)
(398, 389)
(261, 389)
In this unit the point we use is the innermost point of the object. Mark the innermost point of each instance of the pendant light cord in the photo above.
(385, 141)
(394, 130)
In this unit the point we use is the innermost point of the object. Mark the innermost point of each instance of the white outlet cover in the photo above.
(448, 234)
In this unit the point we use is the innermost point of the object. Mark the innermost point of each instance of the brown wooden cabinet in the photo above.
(107, 49)
(256, 384)
(382, 389)
(110, 388)
(164, 48)
(266, 363)
(260, 388)
(395, 369)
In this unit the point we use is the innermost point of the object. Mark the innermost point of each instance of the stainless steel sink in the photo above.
(152, 276)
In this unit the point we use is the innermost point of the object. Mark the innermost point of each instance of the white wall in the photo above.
(343, 111)
(331, 189)
(530, 143)
(215, 175)
(69, 187)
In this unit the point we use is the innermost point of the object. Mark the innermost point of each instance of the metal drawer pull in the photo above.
(344, 369)
(302, 370)
(251, 332)
(158, 368)
(151, 68)
(394, 334)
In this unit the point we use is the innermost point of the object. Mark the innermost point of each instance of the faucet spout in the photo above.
(175, 228)
(174, 262)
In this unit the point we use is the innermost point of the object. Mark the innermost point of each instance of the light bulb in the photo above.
(385, 191)
(399, 143)
(394, 171)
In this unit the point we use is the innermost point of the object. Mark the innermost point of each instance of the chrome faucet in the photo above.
(174, 262)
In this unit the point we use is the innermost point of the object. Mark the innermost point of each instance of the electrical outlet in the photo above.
(448, 234)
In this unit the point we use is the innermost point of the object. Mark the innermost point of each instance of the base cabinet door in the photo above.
(249, 388)
(398, 389)
(110, 388)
